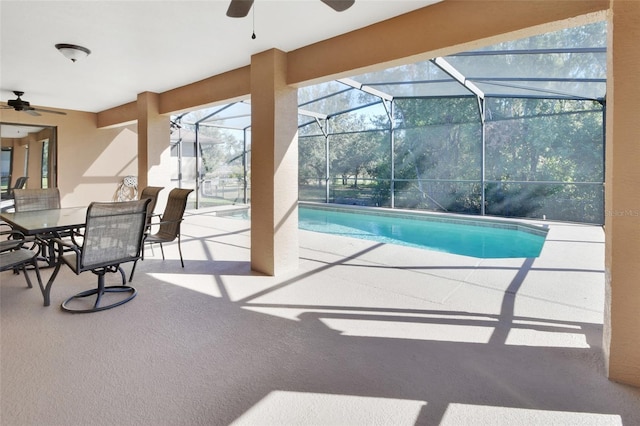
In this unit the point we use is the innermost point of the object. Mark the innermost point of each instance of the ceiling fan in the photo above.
(22, 105)
(240, 8)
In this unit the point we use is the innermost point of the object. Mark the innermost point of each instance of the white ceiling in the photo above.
(154, 45)
(16, 131)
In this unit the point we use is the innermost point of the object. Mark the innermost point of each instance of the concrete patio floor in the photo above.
(361, 334)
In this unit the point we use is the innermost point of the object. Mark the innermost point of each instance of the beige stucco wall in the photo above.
(91, 161)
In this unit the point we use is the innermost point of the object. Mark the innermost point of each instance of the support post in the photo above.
(621, 331)
(274, 165)
(154, 152)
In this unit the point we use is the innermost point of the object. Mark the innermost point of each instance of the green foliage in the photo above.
(313, 151)
(516, 200)
(535, 148)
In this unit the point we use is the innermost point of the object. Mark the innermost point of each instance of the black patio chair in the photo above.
(20, 183)
(151, 192)
(169, 225)
(113, 236)
(17, 258)
(10, 238)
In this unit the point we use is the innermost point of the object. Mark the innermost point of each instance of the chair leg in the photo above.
(38, 276)
(133, 270)
(180, 251)
(26, 276)
(162, 250)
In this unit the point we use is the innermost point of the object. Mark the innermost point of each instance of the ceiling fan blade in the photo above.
(339, 5)
(46, 110)
(239, 8)
(32, 112)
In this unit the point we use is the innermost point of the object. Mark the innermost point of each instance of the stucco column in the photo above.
(622, 195)
(274, 165)
(154, 151)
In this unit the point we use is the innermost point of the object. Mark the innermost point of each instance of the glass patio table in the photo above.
(46, 221)
(46, 225)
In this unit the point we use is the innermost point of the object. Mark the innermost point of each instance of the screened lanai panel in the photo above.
(434, 88)
(223, 168)
(309, 126)
(361, 120)
(359, 167)
(373, 116)
(571, 74)
(510, 108)
(546, 89)
(427, 112)
(419, 71)
(312, 168)
(438, 154)
(449, 152)
(571, 61)
(341, 103)
(236, 123)
(584, 36)
(545, 164)
(236, 115)
(437, 167)
(309, 94)
(531, 64)
(336, 98)
(414, 80)
(562, 147)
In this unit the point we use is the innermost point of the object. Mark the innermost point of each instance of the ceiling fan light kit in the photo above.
(72, 51)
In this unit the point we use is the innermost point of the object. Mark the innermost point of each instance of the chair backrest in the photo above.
(26, 200)
(151, 192)
(20, 183)
(113, 233)
(173, 212)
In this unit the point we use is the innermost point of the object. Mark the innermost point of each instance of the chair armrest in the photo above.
(162, 222)
(68, 244)
(168, 221)
(10, 231)
(77, 233)
(15, 240)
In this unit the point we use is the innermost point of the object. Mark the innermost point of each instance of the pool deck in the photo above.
(362, 333)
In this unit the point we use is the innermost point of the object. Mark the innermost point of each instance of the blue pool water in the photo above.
(482, 239)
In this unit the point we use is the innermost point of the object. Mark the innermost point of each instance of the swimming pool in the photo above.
(482, 238)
